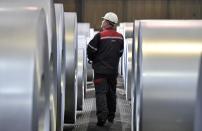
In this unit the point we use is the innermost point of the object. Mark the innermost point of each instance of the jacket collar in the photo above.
(108, 28)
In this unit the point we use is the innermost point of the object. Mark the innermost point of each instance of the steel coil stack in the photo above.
(24, 86)
(48, 7)
(38, 70)
(120, 30)
(44, 69)
(198, 114)
(71, 66)
(167, 75)
(125, 66)
(135, 72)
(83, 35)
(59, 14)
(80, 75)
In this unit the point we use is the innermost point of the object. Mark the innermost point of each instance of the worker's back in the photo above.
(104, 50)
(109, 46)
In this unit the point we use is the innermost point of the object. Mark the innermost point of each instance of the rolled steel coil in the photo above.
(48, 7)
(126, 29)
(135, 112)
(71, 67)
(59, 14)
(82, 45)
(128, 69)
(198, 114)
(168, 65)
(120, 69)
(84, 29)
(24, 76)
(80, 77)
(83, 35)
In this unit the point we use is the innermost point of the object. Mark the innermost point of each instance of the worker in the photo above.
(104, 50)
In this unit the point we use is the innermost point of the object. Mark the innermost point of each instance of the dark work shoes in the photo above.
(100, 123)
(111, 120)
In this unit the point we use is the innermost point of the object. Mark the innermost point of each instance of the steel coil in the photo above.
(135, 112)
(128, 69)
(83, 35)
(71, 67)
(82, 45)
(48, 7)
(129, 43)
(198, 114)
(168, 65)
(126, 29)
(80, 77)
(84, 29)
(120, 69)
(59, 14)
(24, 76)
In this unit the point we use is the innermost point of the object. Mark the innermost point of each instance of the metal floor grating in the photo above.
(86, 119)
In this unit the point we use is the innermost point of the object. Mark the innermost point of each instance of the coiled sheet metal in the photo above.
(83, 80)
(48, 7)
(59, 14)
(128, 69)
(169, 58)
(83, 35)
(71, 66)
(80, 75)
(84, 29)
(198, 114)
(135, 96)
(127, 29)
(24, 76)
(120, 30)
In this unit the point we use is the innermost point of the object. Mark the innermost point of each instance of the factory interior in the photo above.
(47, 79)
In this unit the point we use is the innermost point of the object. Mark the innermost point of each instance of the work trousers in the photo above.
(105, 90)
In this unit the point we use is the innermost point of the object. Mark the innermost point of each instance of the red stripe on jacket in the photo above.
(110, 34)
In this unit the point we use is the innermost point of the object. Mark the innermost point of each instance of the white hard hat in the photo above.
(110, 16)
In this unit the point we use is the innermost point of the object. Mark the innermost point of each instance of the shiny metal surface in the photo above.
(126, 29)
(48, 7)
(120, 69)
(136, 71)
(198, 111)
(128, 70)
(169, 62)
(134, 80)
(24, 76)
(84, 34)
(80, 77)
(71, 67)
(82, 42)
(84, 29)
(59, 14)
(123, 58)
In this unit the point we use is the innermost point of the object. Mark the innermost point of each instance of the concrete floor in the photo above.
(86, 119)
